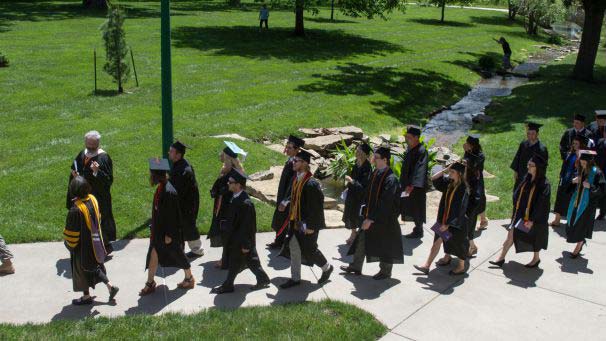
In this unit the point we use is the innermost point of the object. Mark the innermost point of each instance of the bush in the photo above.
(3, 60)
(344, 158)
(555, 39)
(487, 63)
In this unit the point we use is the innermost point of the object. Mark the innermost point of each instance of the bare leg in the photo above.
(352, 236)
(435, 248)
(556, 220)
(153, 266)
(506, 245)
(188, 274)
(578, 247)
(483, 220)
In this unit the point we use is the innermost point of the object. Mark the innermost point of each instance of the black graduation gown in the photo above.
(84, 264)
(242, 226)
(537, 238)
(414, 172)
(167, 221)
(183, 177)
(222, 197)
(601, 162)
(383, 240)
(101, 189)
(567, 173)
(567, 138)
(312, 214)
(583, 229)
(523, 155)
(355, 194)
(280, 218)
(458, 244)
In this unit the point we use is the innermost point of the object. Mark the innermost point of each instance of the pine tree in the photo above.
(115, 47)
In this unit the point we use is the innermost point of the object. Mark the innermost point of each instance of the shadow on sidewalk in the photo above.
(440, 281)
(75, 312)
(574, 266)
(276, 262)
(366, 288)
(521, 276)
(294, 294)
(64, 268)
(154, 303)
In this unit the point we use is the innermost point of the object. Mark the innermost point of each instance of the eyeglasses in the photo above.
(297, 160)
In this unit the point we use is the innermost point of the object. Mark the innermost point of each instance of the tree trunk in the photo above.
(590, 39)
(443, 8)
(299, 29)
(512, 11)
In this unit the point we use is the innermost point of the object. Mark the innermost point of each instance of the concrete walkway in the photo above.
(564, 298)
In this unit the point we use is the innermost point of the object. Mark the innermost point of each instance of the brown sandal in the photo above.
(483, 225)
(188, 283)
(473, 250)
(149, 288)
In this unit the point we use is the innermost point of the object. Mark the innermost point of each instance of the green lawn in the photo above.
(551, 99)
(227, 78)
(304, 321)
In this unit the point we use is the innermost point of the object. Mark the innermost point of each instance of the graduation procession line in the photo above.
(562, 299)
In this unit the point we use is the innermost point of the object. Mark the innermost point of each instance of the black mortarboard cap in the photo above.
(296, 141)
(473, 138)
(384, 152)
(533, 126)
(459, 167)
(180, 146)
(157, 164)
(539, 160)
(579, 117)
(413, 130)
(304, 155)
(238, 176)
(601, 114)
(588, 155)
(365, 148)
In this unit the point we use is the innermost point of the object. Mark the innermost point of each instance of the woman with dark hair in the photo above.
(356, 181)
(589, 187)
(84, 240)
(567, 173)
(451, 227)
(528, 230)
(474, 159)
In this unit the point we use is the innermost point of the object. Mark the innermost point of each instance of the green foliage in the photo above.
(115, 47)
(343, 160)
(540, 13)
(3, 60)
(370, 8)
(396, 158)
(487, 63)
(444, 3)
(555, 39)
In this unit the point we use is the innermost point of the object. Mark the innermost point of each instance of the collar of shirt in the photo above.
(300, 175)
(237, 194)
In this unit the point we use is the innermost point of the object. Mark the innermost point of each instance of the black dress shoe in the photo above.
(348, 269)
(221, 290)
(422, 269)
(380, 276)
(260, 285)
(274, 246)
(112, 292)
(414, 235)
(193, 255)
(574, 255)
(289, 284)
(80, 301)
(499, 263)
(325, 275)
(530, 266)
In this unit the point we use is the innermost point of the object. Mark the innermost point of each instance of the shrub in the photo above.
(3, 60)
(487, 63)
(343, 160)
(555, 39)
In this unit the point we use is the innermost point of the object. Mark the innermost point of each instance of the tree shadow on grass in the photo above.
(247, 41)
(411, 94)
(497, 20)
(328, 21)
(437, 22)
(552, 94)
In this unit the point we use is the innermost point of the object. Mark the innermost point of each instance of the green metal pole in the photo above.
(167, 100)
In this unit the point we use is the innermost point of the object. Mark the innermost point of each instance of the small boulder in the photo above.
(261, 176)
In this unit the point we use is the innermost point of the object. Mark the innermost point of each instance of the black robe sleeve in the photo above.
(458, 209)
(565, 144)
(386, 205)
(420, 169)
(516, 159)
(172, 222)
(105, 174)
(312, 208)
(362, 179)
(71, 233)
(246, 225)
(541, 204)
(441, 184)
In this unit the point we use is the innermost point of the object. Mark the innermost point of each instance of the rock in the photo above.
(492, 198)
(365, 138)
(266, 190)
(334, 219)
(356, 132)
(231, 136)
(314, 154)
(322, 144)
(487, 175)
(330, 203)
(375, 141)
(482, 118)
(385, 137)
(444, 154)
(261, 176)
(276, 148)
(311, 132)
(341, 207)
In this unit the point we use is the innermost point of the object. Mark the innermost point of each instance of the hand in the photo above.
(528, 224)
(95, 167)
(575, 180)
(245, 250)
(282, 208)
(443, 228)
(366, 224)
(167, 240)
(409, 189)
(348, 179)
(586, 184)
(309, 231)
(74, 173)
